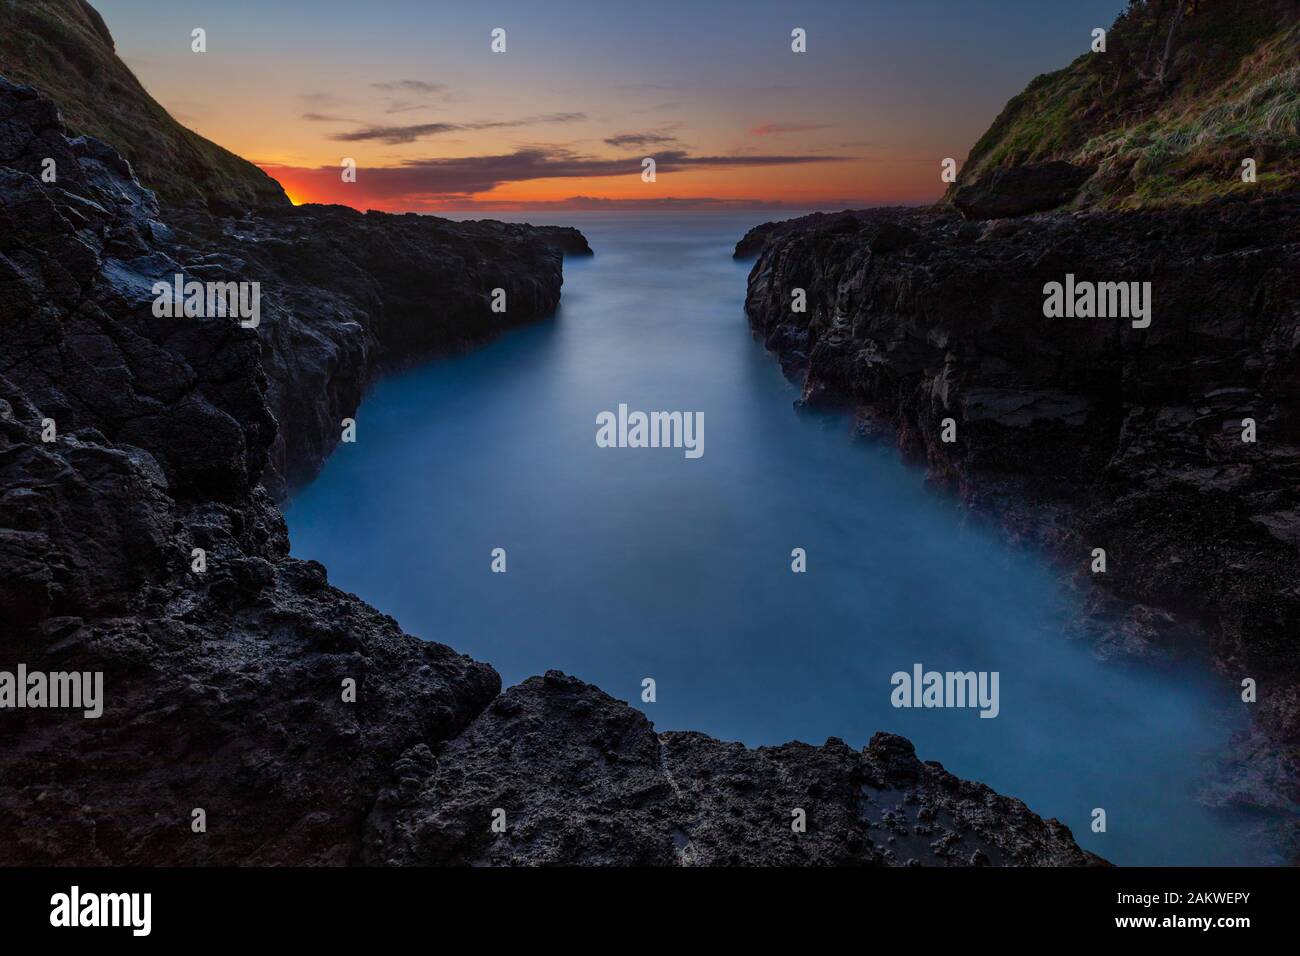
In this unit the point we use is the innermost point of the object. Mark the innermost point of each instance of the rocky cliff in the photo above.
(1163, 114)
(64, 48)
(352, 294)
(1079, 433)
(1174, 445)
(139, 537)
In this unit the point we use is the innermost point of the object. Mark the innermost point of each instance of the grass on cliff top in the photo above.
(64, 49)
(1166, 132)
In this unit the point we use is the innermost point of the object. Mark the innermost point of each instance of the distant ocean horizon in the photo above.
(765, 213)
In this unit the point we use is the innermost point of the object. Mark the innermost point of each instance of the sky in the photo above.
(584, 92)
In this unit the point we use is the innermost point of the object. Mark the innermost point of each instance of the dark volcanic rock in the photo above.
(1084, 433)
(579, 777)
(879, 806)
(223, 688)
(139, 540)
(576, 772)
(830, 223)
(751, 244)
(1021, 190)
(347, 294)
(343, 295)
(567, 239)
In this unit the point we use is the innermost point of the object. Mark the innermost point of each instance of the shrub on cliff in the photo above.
(1185, 90)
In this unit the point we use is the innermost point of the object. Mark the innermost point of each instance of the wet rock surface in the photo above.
(1082, 433)
(141, 538)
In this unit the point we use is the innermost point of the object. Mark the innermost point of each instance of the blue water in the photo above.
(633, 563)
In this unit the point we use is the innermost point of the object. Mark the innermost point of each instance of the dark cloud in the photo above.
(410, 86)
(640, 139)
(404, 106)
(529, 121)
(426, 179)
(326, 118)
(393, 135)
(396, 134)
(596, 202)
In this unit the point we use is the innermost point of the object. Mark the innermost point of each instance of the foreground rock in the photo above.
(582, 778)
(141, 541)
(1083, 433)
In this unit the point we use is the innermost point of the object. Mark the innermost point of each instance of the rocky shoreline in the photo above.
(353, 296)
(226, 677)
(1081, 433)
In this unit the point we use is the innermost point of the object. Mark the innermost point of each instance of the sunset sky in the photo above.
(585, 91)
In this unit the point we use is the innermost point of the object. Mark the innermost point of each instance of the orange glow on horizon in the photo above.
(798, 188)
(435, 124)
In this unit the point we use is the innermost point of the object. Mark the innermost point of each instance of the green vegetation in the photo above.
(63, 48)
(1185, 91)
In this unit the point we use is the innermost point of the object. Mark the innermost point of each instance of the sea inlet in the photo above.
(628, 563)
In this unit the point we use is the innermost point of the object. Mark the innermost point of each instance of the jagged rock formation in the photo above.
(583, 778)
(224, 685)
(348, 294)
(1082, 433)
